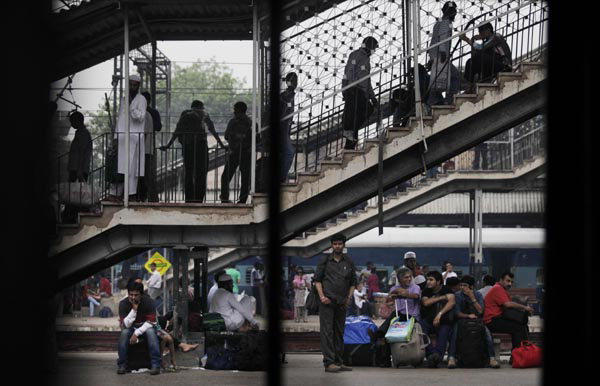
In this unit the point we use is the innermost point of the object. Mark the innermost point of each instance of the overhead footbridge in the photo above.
(337, 180)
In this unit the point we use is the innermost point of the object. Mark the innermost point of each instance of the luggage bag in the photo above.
(411, 353)
(471, 343)
(358, 349)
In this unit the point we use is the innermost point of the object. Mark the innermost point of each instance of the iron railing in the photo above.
(503, 153)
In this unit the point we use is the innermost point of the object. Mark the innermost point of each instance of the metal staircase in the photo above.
(336, 181)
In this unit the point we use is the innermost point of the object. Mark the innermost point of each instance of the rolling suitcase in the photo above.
(471, 343)
(411, 353)
(357, 342)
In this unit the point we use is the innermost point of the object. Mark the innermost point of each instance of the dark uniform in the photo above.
(336, 277)
(192, 136)
(239, 136)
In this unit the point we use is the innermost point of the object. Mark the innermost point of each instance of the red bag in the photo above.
(526, 355)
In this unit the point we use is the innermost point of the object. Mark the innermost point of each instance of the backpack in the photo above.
(190, 122)
(106, 312)
(213, 321)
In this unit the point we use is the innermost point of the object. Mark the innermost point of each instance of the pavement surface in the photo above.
(90, 369)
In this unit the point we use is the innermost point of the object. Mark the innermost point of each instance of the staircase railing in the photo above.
(505, 152)
(320, 120)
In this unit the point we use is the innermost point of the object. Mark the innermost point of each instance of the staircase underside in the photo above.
(92, 33)
(102, 240)
(346, 191)
(354, 226)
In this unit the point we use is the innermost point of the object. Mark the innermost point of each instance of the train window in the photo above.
(539, 276)
(248, 273)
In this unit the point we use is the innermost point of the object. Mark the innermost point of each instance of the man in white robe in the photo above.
(137, 117)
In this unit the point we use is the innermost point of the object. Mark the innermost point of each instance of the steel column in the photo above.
(126, 109)
(254, 99)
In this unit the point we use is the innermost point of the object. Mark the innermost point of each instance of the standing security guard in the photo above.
(335, 280)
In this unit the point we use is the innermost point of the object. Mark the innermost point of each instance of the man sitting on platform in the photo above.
(437, 305)
(237, 316)
(406, 289)
(138, 316)
(497, 301)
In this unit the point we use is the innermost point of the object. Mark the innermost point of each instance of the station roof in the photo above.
(92, 32)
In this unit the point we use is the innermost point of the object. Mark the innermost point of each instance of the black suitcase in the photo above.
(138, 355)
(471, 349)
(358, 354)
(252, 353)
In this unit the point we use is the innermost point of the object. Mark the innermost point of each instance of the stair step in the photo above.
(443, 107)
(486, 86)
(399, 129)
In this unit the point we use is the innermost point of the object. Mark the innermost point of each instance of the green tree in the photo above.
(212, 83)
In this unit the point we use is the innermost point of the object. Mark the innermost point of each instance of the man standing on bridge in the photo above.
(359, 99)
(335, 281)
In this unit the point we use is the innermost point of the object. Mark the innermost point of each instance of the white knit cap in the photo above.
(135, 78)
(410, 255)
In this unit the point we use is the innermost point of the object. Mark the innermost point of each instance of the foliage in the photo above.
(210, 82)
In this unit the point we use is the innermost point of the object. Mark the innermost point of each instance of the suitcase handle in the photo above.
(428, 340)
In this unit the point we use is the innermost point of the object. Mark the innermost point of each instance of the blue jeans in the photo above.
(488, 340)
(153, 346)
(93, 302)
(443, 332)
(287, 156)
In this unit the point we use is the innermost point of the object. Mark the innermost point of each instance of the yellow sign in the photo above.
(162, 264)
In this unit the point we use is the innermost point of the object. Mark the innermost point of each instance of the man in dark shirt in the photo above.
(192, 135)
(437, 303)
(239, 137)
(286, 98)
(80, 153)
(335, 280)
(359, 100)
(137, 316)
(488, 58)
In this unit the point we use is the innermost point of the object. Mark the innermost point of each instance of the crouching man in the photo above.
(238, 317)
(137, 316)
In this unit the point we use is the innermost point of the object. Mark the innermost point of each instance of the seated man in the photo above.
(164, 328)
(406, 289)
(496, 301)
(469, 305)
(237, 316)
(437, 304)
(137, 316)
(488, 58)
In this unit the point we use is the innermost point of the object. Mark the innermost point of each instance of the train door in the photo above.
(501, 261)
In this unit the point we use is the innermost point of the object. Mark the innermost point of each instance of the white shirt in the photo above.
(357, 297)
(234, 314)
(211, 293)
(484, 291)
(447, 275)
(155, 280)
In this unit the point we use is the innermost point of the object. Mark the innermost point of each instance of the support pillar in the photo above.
(126, 109)
(475, 234)
(200, 257)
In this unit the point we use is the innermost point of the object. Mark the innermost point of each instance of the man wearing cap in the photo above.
(410, 261)
(359, 99)
(335, 280)
(137, 117)
(237, 317)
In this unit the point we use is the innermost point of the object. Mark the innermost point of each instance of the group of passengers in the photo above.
(446, 299)
(138, 317)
